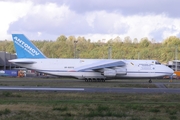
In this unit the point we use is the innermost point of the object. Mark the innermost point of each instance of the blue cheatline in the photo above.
(25, 48)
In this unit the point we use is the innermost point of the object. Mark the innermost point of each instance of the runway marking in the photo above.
(42, 89)
(100, 90)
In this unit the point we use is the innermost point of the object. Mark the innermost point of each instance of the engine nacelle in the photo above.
(109, 73)
(121, 71)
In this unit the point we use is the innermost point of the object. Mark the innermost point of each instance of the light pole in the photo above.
(138, 55)
(176, 57)
(110, 53)
(78, 53)
(75, 42)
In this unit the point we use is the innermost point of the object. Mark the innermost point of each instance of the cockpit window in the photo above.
(157, 63)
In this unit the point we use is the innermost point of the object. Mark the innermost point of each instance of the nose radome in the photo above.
(170, 70)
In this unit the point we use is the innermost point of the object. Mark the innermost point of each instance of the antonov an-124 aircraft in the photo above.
(30, 57)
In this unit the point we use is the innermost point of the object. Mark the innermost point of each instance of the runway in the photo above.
(40, 89)
(94, 90)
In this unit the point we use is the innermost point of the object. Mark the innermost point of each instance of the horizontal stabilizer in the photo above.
(18, 61)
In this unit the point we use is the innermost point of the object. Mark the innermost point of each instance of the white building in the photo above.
(175, 65)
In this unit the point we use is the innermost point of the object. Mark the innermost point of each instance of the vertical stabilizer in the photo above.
(25, 48)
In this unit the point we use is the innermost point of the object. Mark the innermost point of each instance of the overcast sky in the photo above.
(93, 19)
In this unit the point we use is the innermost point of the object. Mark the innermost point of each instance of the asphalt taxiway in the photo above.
(94, 90)
(41, 84)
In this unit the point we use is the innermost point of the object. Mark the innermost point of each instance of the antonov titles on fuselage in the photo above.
(30, 57)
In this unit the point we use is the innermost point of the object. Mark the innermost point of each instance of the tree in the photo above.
(61, 38)
(172, 40)
(135, 41)
(71, 38)
(144, 42)
(117, 40)
(127, 39)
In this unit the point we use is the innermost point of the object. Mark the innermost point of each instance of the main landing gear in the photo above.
(150, 81)
(94, 80)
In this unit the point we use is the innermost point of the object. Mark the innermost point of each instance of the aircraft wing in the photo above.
(101, 65)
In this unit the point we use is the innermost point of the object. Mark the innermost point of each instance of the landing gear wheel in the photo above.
(150, 81)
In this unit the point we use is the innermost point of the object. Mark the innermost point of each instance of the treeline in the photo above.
(64, 47)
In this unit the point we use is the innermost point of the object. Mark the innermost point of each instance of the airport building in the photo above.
(9, 69)
(4, 57)
(175, 65)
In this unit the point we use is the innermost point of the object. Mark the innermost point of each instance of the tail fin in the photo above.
(25, 48)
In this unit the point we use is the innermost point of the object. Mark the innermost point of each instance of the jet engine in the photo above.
(109, 73)
(121, 71)
(113, 72)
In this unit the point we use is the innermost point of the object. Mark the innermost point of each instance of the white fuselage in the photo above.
(69, 68)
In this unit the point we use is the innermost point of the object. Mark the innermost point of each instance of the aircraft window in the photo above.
(157, 62)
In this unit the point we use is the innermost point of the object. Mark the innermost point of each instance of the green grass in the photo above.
(172, 85)
(57, 105)
(5, 112)
(17, 105)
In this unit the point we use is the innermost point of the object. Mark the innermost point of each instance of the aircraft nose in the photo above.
(171, 71)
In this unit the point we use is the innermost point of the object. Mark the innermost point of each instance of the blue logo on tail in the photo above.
(25, 48)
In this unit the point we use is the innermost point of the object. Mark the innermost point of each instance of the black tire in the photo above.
(150, 81)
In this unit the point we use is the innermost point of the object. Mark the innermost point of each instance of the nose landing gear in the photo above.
(150, 81)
